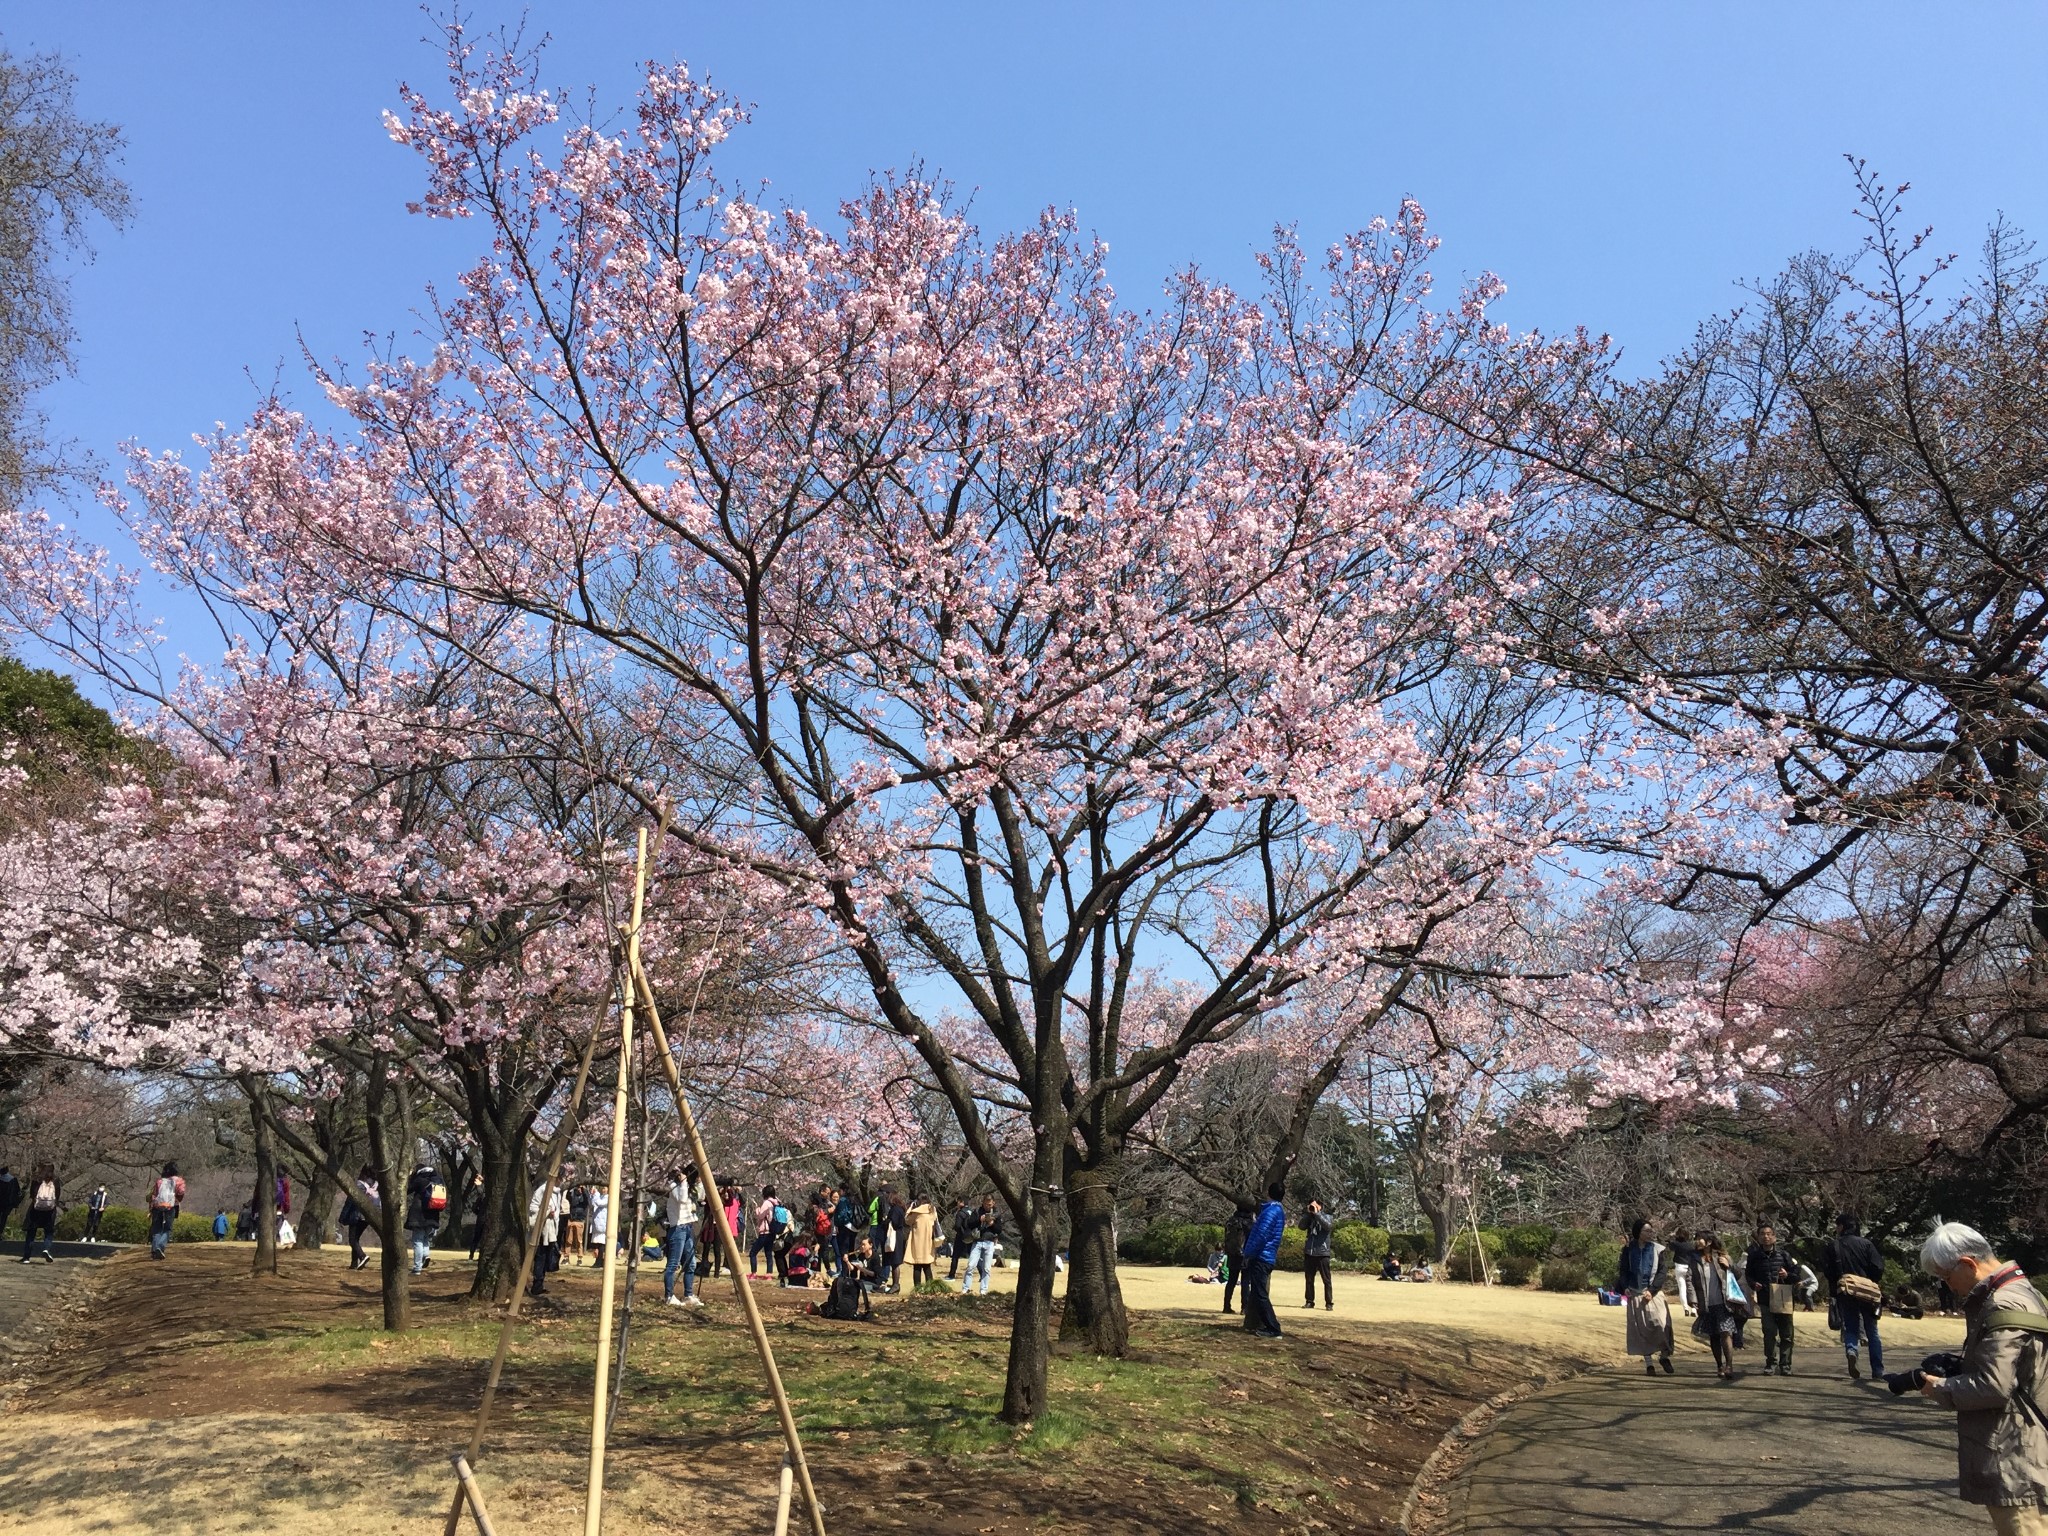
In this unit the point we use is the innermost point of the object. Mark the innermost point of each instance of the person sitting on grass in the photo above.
(849, 1299)
(1422, 1273)
(1213, 1269)
(1390, 1268)
(797, 1265)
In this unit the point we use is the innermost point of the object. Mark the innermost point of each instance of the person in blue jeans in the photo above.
(1851, 1253)
(679, 1241)
(1261, 1253)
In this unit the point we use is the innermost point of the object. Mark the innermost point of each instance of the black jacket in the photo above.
(988, 1227)
(418, 1190)
(1234, 1233)
(1764, 1266)
(1852, 1254)
(1317, 1225)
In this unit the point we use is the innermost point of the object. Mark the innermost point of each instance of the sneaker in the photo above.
(694, 1301)
(1854, 1374)
(1665, 1361)
(675, 1301)
(1268, 1333)
(1311, 1306)
(49, 1258)
(1231, 1310)
(1784, 1370)
(1329, 1306)
(1649, 1369)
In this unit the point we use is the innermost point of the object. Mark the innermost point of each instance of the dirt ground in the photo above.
(186, 1396)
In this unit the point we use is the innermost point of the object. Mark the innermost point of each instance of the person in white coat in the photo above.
(548, 1253)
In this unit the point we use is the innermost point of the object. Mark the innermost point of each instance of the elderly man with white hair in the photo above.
(1997, 1390)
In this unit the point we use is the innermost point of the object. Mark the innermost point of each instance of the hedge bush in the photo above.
(1565, 1275)
(1532, 1240)
(1357, 1245)
(1464, 1266)
(1597, 1251)
(1411, 1246)
(1517, 1269)
(1174, 1242)
(192, 1229)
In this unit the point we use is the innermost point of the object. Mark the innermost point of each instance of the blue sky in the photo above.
(1622, 166)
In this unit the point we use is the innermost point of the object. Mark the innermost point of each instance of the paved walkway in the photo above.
(1808, 1453)
(25, 1313)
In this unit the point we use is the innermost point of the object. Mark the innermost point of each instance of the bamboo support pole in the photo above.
(593, 1501)
(465, 1481)
(651, 1013)
(557, 1148)
(782, 1484)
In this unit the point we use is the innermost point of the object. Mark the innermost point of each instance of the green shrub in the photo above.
(71, 1224)
(1565, 1275)
(1463, 1265)
(1530, 1241)
(1357, 1245)
(1174, 1242)
(1597, 1251)
(1410, 1246)
(192, 1229)
(1516, 1269)
(118, 1224)
(1292, 1242)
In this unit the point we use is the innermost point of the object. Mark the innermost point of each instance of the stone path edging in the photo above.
(1448, 1460)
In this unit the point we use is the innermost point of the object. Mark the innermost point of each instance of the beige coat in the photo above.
(921, 1234)
(2001, 1449)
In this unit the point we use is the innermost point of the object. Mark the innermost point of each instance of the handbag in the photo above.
(1834, 1316)
(1779, 1298)
(1859, 1288)
(1738, 1299)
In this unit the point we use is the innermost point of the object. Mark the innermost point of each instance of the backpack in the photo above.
(843, 1304)
(780, 1219)
(437, 1198)
(821, 1222)
(166, 1193)
(45, 1197)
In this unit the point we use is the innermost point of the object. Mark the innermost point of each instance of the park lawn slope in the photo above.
(281, 1401)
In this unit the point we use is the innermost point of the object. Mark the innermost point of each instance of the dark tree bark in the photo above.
(389, 1112)
(264, 1199)
(1095, 1300)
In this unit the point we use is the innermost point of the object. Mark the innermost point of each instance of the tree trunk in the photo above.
(1095, 1298)
(391, 1145)
(265, 1200)
(1024, 1382)
(501, 1234)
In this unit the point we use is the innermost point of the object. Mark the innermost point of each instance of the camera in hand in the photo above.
(1945, 1363)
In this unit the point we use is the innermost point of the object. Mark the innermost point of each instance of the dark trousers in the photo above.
(1777, 1338)
(920, 1274)
(357, 1255)
(1318, 1264)
(1258, 1297)
(31, 1221)
(92, 1225)
(1860, 1317)
(1233, 1276)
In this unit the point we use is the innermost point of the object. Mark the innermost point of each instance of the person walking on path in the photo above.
(1641, 1280)
(1855, 1271)
(1315, 1254)
(987, 1238)
(95, 1210)
(44, 1198)
(1685, 1254)
(1234, 1233)
(1261, 1253)
(355, 1216)
(679, 1240)
(960, 1237)
(1719, 1294)
(425, 1198)
(921, 1240)
(597, 1225)
(578, 1224)
(166, 1194)
(1995, 1388)
(1772, 1280)
(547, 1248)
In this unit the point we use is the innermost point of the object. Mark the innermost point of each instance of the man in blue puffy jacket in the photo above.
(1261, 1253)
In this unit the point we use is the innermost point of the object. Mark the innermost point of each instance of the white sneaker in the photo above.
(675, 1301)
(694, 1301)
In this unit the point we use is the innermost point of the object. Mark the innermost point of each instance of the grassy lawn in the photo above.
(288, 1407)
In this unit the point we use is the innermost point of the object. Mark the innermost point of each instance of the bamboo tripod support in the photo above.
(593, 1499)
(651, 1013)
